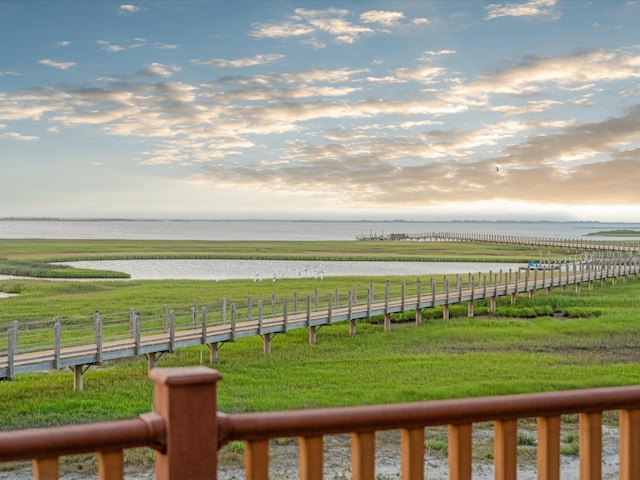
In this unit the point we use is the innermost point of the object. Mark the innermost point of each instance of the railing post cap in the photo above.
(185, 375)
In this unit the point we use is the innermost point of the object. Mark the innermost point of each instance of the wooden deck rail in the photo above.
(186, 430)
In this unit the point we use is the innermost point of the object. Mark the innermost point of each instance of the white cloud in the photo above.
(388, 19)
(309, 23)
(57, 64)
(530, 8)
(63, 43)
(240, 62)
(109, 47)
(19, 137)
(160, 70)
(126, 9)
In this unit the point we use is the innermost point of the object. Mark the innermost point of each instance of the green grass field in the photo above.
(549, 342)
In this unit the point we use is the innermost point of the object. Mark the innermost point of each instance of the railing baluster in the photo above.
(45, 469)
(412, 452)
(548, 448)
(256, 459)
(590, 446)
(460, 452)
(363, 456)
(111, 465)
(311, 458)
(505, 451)
(629, 431)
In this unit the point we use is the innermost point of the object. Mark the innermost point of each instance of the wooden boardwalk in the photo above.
(158, 336)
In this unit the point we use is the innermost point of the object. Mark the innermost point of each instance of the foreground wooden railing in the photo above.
(186, 431)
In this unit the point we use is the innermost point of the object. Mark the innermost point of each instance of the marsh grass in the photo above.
(32, 257)
(548, 342)
(459, 357)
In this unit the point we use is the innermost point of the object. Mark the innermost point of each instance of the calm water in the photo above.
(272, 270)
(283, 230)
(265, 270)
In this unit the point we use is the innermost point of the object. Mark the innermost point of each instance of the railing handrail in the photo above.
(186, 429)
(338, 420)
(148, 430)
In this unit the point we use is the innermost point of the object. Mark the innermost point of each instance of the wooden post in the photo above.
(172, 331)
(98, 336)
(151, 360)
(137, 333)
(213, 352)
(223, 311)
(57, 331)
(310, 457)
(352, 322)
(629, 444)
(77, 378)
(492, 305)
(165, 318)
(203, 340)
(11, 351)
(548, 450)
(387, 315)
(363, 455)
(460, 454)
(266, 343)
(194, 314)
(590, 430)
(412, 453)
(180, 396)
(285, 315)
(505, 452)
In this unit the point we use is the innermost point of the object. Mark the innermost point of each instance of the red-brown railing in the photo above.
(186, 431)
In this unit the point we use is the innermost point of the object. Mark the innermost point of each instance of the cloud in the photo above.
(19, 137)
(57, 64)
(306, 22)
(126, 9)
(109, 47)
(388, 143)
(531, 8)
(240, 62)
(63, 43)
(388, 19)
(160, 70)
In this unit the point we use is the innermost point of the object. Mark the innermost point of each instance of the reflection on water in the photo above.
(271, 270)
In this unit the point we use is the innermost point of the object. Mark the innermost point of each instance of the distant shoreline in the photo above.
(615, 233)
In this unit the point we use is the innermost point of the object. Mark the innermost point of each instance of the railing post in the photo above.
(460, 451)
(186, 399)
(57, 328)
(98, 336)
(548, 449)
(11, 351)
(590, 426)
(629, 444)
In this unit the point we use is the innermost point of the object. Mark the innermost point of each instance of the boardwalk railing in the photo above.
(186, 430)
(89, 343)
(577, 244)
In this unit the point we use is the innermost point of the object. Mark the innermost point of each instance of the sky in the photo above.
(347, 110)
